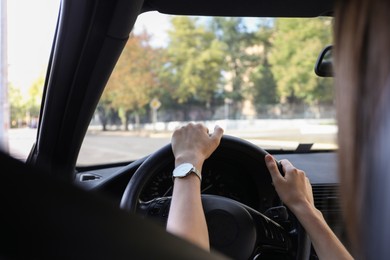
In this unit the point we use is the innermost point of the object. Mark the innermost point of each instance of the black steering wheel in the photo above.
(235, 229)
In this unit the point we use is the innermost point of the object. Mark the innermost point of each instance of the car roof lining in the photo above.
(242, 8)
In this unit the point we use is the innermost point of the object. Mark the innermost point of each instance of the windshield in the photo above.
(252, 76)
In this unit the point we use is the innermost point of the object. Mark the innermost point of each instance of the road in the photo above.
(119, 146)
(98, 146)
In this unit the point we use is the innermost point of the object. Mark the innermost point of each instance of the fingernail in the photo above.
(269, 158)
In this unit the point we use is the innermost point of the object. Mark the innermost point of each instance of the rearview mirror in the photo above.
(324, 67)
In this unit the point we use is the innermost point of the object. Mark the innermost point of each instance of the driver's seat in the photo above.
(45, 218)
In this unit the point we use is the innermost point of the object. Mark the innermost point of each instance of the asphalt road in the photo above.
(119, 146)
(98, 146)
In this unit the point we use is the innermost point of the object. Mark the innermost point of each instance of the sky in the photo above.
(31, 26)
(157, 25)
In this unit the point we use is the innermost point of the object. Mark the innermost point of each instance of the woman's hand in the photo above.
(193, 143)
(294, 188)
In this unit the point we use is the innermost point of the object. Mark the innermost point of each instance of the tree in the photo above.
(18, 106)
(102, 111)
(133, 80)
(263, 90)
(264, 87)
(187, 42)
(195, 58)
(34, 101)
(238, 60)
(296, 45)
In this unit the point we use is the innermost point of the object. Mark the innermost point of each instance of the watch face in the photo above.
(183, 170)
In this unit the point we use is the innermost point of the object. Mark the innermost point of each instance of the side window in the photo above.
(27, 33)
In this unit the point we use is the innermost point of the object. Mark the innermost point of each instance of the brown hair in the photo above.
(362, 77)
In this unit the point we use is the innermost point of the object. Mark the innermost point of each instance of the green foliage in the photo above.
(296, 44)
(195, 60)
(238, 59)
(35, 96)
(208, 61)
(264, 88)
(17, 106)
(25, 109)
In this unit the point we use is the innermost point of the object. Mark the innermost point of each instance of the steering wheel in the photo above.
(235, 229)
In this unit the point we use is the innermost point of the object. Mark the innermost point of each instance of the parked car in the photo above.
(113, 95)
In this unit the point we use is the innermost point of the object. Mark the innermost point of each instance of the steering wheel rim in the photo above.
(158, 160)
(164, 158)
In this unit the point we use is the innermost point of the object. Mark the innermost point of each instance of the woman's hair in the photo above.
(362, 81)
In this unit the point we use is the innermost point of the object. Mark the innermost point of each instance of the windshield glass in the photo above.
(252, 76)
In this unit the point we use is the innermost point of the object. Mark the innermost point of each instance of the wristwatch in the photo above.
(184, 170)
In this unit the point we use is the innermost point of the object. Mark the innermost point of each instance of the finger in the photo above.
(218, 132)
(216, 135)
(287, 165)
(273, 168)
(201, 127)
(188, 125)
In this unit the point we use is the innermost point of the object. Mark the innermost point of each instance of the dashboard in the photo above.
(219, 177)
(236, 174)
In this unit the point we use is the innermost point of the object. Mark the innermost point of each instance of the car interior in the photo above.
(60, 209)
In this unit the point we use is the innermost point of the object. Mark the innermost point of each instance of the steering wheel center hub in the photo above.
(223, 228)
(232, 229)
